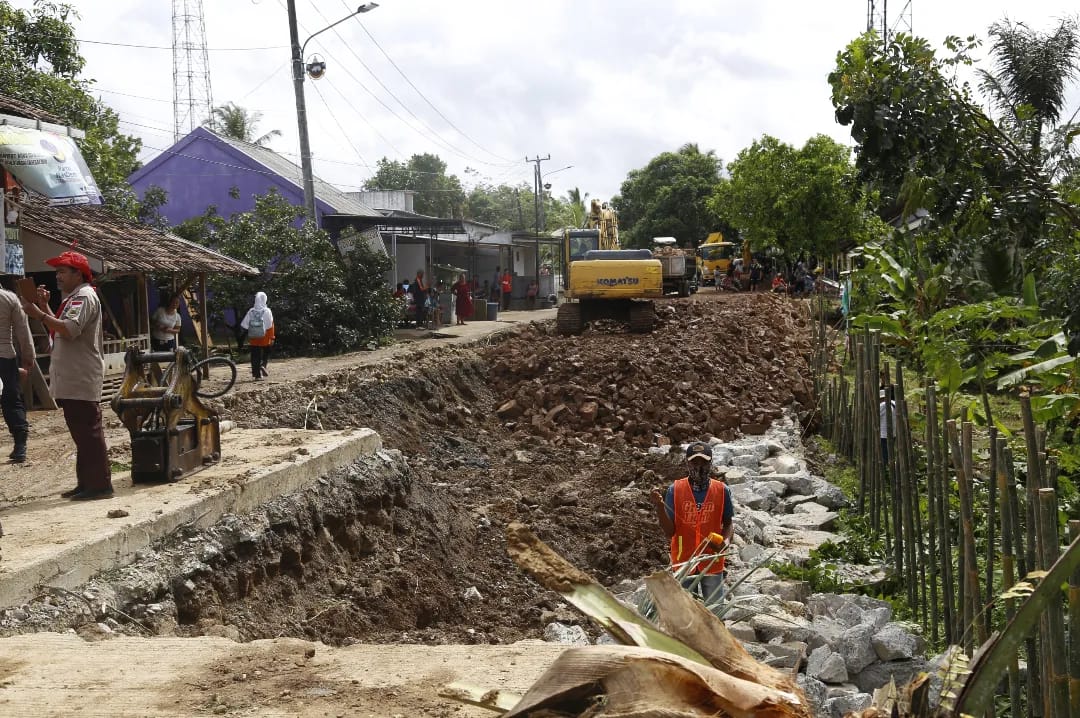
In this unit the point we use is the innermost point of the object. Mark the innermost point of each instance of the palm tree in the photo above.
(1031, 72)
(234, 121)
(577, 205)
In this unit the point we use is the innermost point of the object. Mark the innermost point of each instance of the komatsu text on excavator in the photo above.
(603, 281)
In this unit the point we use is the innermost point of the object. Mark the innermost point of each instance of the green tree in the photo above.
(437, 193)
(321, 301)
(40, 64)
(1030, 79)
(798, 201)
(669, 198)
(578, 205)
(923, 142)
(231, 120)
(505, 206)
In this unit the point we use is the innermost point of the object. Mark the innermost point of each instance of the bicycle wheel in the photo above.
(220, 377)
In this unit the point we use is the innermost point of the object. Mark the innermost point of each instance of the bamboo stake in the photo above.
(1058, 686)
(969, 576)
(1074, 630)
(973, 570)
(945, 493)
(908, 491)
(991, 506)
(1008, 571)
(1034, 685)
(932, 505)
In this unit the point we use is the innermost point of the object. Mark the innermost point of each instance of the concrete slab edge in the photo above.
(76, 565)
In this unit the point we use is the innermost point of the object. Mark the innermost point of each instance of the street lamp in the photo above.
(317, 69)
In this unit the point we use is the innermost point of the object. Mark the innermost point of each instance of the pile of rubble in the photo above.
(710, 367)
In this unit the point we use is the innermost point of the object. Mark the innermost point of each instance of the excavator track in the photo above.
(642, 317)
(568, 320)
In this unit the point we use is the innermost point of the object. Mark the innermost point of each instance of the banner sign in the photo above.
(49, 164)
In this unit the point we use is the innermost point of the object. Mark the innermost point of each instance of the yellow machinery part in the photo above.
(616, 279)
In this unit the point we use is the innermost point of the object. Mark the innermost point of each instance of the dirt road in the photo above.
(62, 675)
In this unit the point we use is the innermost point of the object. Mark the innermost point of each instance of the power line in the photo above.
(343, 132)
(432, 137)
(365, 119)
(156, 47)
(397, 99)
(423, 96)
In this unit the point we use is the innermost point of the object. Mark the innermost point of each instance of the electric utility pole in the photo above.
(538, 187)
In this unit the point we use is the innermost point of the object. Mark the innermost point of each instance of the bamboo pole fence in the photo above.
(960, 527)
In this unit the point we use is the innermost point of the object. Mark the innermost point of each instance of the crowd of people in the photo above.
(422, 304)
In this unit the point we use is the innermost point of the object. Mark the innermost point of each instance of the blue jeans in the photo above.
(707, 586)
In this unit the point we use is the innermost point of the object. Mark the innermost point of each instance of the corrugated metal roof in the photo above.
(125, 245)
(11, 106)
(289, 170)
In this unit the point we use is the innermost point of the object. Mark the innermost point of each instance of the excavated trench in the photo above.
(407, 545)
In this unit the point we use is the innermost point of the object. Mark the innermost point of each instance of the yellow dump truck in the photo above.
(715, 256)
(603, 281)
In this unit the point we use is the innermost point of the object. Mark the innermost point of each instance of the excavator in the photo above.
(604, 281)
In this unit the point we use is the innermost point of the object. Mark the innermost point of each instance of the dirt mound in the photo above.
(709, 368)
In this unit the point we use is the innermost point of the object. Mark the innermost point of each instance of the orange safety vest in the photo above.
(693, 525)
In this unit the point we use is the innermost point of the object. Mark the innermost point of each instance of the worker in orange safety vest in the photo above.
(696, 515)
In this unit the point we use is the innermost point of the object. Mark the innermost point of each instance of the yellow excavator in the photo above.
(604, 281)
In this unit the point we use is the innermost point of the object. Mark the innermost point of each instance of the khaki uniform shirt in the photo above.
(14, 331)
(78, 366)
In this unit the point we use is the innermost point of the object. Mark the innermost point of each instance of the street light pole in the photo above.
(301, 106)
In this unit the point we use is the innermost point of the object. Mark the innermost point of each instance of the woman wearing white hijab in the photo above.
(259, 324)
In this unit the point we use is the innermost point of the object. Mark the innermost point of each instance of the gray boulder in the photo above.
(815, 690)
(745, 461)
(797, 591)
(879, 674)
(854, 645)
(829, 495)
(786, 655)
(844, 705)
(782, 627)
(818, 521)
(797, 483)
(826, 666)
(556, 632)
(894, 643)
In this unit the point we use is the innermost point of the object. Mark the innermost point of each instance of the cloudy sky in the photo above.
(602, 85)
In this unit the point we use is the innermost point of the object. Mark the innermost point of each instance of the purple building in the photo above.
(203, 168)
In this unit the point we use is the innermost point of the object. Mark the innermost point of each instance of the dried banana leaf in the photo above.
(556, 573)
(686, 619)
(633, 682)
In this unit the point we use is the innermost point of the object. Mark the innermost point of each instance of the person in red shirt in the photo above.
(696, 515)
(506, 285)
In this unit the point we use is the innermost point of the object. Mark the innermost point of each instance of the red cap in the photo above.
(73, 260)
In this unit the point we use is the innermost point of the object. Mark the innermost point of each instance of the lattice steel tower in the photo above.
(878, 17)
(192, 99)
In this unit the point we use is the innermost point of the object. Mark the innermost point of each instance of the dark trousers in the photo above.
(168, 345)
(91, 457)
(506, 301)
(259, 357)
(12, 399)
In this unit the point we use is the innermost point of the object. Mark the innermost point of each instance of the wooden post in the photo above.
(1057, 690)
(1074, 631)
(1008, 571)
(933, 506)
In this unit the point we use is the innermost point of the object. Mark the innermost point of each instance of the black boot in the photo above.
(18, 454)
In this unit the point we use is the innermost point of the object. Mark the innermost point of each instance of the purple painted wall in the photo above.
(200, 170)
